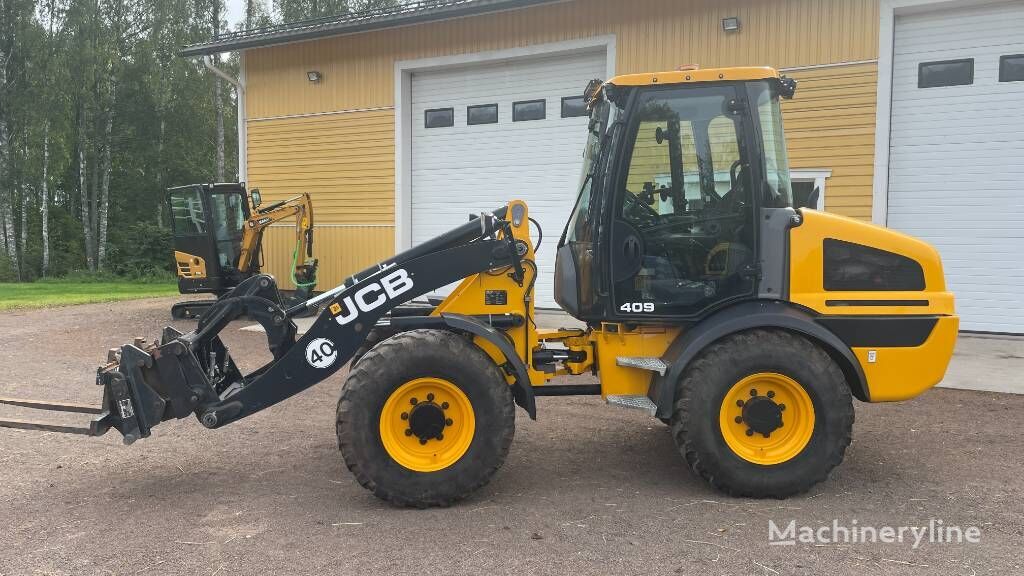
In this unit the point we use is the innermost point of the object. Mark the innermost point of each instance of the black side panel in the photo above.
(880, 331)
(854, 267)
(567, 292)
(747, 316)
(774, 251)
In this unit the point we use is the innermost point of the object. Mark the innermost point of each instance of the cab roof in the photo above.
(692, 74)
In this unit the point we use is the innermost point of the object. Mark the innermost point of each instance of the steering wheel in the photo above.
(639, 211)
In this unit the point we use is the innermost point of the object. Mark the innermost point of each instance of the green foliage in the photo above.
(87, 80)
(140, 250)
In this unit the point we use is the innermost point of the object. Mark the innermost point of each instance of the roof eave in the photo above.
(297, 34)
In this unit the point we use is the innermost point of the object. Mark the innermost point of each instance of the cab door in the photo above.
(683, 232)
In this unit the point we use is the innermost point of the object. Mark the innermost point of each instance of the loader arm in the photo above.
(193, 373)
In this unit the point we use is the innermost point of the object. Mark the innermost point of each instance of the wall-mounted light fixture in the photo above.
(731, 24)
(314, 76)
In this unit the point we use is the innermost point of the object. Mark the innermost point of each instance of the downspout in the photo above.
(239, 84)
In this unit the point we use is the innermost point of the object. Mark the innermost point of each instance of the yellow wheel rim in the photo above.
(427, 424)
(767, 418)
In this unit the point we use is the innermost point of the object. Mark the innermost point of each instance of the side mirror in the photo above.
(256, 198)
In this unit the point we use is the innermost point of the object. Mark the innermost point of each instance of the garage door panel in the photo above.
(461, 169)
(955, 158)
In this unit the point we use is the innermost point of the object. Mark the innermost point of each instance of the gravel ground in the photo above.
(587, 489)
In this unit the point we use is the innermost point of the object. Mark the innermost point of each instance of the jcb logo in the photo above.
(373, 296)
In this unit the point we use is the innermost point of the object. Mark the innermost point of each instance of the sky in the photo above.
(236, 11)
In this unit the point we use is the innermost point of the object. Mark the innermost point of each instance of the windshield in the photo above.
(776, 163)
(599, 119)
(578, 225)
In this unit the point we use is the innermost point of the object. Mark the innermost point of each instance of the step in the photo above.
(634, 401)
(643, 362)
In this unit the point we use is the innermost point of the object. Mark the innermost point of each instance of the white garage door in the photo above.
(467, 168)
(956, 163)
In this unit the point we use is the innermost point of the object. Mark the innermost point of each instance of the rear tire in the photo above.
(446, 377)
(712, 429)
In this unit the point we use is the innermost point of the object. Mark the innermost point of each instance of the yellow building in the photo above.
(321, 102)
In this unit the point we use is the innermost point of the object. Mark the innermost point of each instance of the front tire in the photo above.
(425, 418)
(763, 414)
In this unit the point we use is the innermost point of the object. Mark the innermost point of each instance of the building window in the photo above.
(1011, 68)
(573, 106)
(804, 183)
(945, 73)
(482, 114)
(528, 110)
(439, 118)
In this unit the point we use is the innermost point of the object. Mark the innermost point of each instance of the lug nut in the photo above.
(405, 415)
(430, 397)
(440, 436)
(408, 431)
(739, 419)
(413, 401)
(739, 403)
(447, 421)
(782, 406)
(753, 392)
(771, 394)
(423, 441)
(444, 405)
(750, 432)
(767, 434)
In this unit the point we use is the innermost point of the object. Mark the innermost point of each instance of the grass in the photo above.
(64, 292)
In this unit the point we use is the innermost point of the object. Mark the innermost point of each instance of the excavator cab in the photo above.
(677, 173)
(208, 223)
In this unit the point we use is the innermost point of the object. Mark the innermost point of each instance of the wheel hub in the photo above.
(762, 415)
(427, 420)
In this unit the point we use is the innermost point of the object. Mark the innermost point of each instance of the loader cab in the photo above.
(208, 222)
(678, 168)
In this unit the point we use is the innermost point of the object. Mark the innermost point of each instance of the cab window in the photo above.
(683, 232)
(187, 212)
(229, 223)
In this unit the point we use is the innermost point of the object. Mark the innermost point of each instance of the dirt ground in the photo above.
(586, 489)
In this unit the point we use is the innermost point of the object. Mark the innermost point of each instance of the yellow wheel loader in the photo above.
(709, 303)
(218, 235)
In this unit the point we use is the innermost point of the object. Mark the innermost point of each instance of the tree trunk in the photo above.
(83, 190)
(5, 191)
(94, 201)
(9, 238)
(104, 203)
(23, 231)
(44, 200)
(160, 174)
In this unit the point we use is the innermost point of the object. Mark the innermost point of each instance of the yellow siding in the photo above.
(346, 161)
(358, 70)
(342, 250)
(830, 124)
